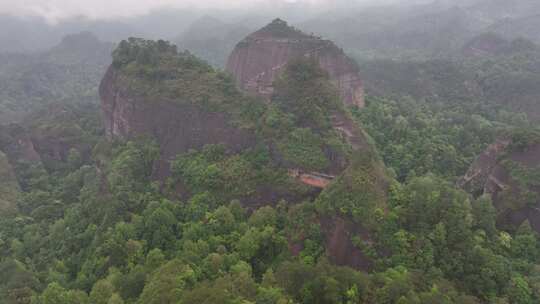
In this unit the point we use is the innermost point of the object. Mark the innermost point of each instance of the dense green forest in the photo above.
(84, 218)
(69, 72)
(97, 229)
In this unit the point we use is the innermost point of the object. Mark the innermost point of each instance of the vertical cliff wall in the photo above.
(509, 173)
(176, 125)
(259, 58)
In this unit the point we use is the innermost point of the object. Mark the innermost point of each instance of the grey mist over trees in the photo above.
(269, 152)
(36, 25)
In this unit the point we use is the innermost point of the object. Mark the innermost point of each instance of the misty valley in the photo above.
(270, 152)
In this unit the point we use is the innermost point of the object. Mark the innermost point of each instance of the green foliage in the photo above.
(299, 120)
(56, 294)
(70, 73)
(280, 28)
(133, 245)
(227, 176)
(9, 187)
(519, 291)
(131, 168)
(416, 138)
(304, 90)
(167, 283)
(359, 192)
(304, 149)
(524, 138)
(156, 70)
(96, 229)
(525, 179)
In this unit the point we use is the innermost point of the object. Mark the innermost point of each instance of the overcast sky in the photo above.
(58, 9)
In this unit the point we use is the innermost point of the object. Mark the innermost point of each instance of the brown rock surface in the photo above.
(180, 125)
(176, 126)
(339, 246)
(488, 175)
(259, 58)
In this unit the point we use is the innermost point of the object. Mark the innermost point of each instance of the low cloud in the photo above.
(54, 10)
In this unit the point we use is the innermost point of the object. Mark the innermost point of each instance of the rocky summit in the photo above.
(261, 57)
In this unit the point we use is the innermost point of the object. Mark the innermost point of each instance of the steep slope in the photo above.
(258, 59)
(275, 63)
(60, 130)
(215, 141)
(509, 172)
(151, 90)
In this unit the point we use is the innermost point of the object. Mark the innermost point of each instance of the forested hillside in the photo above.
(140, 172)
(98, 230)
(69, 72)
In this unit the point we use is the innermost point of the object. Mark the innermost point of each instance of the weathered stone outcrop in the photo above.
(491, 174)
(339, 246)
(57, 130)
(258, 60)
(255, 63)
(159, 107)
(261, 57)
(176, 126)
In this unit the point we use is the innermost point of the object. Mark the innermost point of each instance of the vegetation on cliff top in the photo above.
(279, 28)
(101, 231)
(156, 69)
(304, 100)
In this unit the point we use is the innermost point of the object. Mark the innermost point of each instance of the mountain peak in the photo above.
(255, 71)
(279, 28)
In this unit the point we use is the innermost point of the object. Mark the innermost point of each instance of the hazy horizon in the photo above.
(59, 10)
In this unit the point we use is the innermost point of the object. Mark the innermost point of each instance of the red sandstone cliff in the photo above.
(490, 175)
(258, 59)
(176, 126)
(179, 124)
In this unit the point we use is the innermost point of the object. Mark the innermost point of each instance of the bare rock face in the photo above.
(258, 60)
(160, 108)
(339, 246)
(177, 126)
(509, 176)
